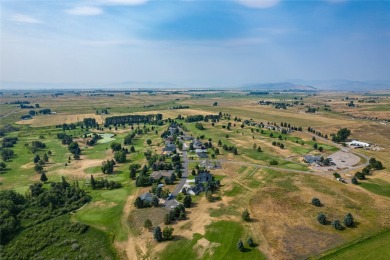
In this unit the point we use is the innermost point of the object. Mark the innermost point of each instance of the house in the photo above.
(157, 175)
(358, 144)
(207, 164)
(197, 144)
(195, 190)
(203, 177)
(312, 159)
(169, 148)
(202, 155)
(200, 150)
(173, 129)
(148, 197)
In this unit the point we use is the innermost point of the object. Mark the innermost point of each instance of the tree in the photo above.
(2, 166)
(273, 162)
(155, 201)
(348, 220)
(320, 149)
(360, 176)
(193, 172)
(240, 245)
(38, 168)
(133, 173)
(157, 234)
(259, 149)
(148, 224)
(120, 156)
(343, 134)
(139, 203)
(315, 145)
(73, 147)
(187, 201)
(321, 218)
(36, 158)
(245, 215)
(336, 224)
(43, 177)
(149, 141)
(93, 183)
(115, 146)
(45, 158)
(250, 242)
(167, 219)
(209, 195)
(354, 181)
(167, 232)
(316, 202)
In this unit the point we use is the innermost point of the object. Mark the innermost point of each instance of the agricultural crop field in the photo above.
(254, 152)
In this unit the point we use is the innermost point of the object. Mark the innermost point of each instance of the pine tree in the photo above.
(250, 242)
(321, 218)
(93, 183)
(316, 202)
(187, 201)
(240, 245)
(245, 215)
(336, 224)
(348, 220)
(43, 177)
(45, 158)
(157, 234)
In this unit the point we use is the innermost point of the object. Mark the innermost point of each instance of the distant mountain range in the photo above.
(278, 86)
(292, 85)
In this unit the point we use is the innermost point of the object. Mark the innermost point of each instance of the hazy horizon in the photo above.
(190, 43)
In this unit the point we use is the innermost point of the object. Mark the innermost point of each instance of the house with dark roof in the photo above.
(312, 158)
(197, 144)
(202, 155)
(203, 177)
(148, 197)
(157, 175)
(169, 148)
(195, 190)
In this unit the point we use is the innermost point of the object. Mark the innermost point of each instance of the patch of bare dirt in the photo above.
(204, 246)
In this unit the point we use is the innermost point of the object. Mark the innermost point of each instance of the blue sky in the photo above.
(193, 42)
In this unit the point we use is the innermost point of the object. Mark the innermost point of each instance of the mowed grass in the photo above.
(106, 210)
(375, 247)
(377, 186)
(225, 234)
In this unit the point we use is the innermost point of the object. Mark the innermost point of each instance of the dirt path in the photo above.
(128, 246)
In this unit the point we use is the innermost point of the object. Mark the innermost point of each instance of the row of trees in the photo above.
(133, 119)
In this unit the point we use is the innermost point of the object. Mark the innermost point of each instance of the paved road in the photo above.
(172, 202)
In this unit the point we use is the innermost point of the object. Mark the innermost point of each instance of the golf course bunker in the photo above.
(106, 138)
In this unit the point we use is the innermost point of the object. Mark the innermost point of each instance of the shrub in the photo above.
(250, 242)
(321, 218)
(240, 245)
(245, 215)
(273, 162)
(336, 224)
(348, 220)
(316, 202)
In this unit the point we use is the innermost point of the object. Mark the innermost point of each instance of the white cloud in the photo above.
(125, 2)
(259, 3)
(85, 10)
(22, 18)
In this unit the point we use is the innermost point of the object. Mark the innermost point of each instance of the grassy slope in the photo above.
(375, 247)
(225, 233)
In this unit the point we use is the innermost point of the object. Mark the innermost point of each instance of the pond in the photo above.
(106, 138)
